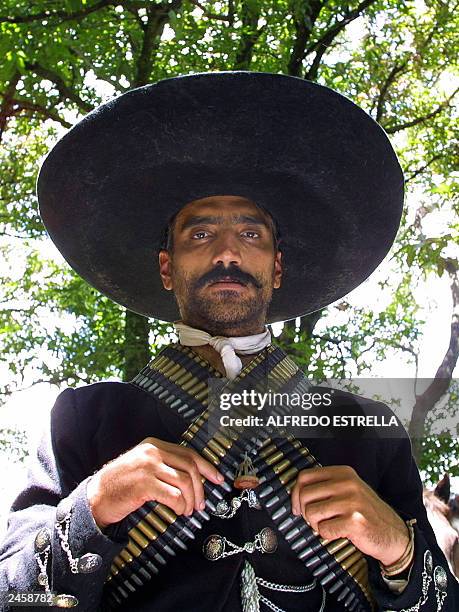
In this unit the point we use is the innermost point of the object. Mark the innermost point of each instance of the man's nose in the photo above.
(227, 250)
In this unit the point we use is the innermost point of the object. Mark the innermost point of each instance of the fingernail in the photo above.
(295, 511)
(220, 478)
(202, 505)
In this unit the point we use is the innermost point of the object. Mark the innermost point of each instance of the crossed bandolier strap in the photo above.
(178, 378)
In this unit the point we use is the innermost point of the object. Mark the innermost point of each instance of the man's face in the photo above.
(223, 266)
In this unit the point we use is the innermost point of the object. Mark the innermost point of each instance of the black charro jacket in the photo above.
(96, 423)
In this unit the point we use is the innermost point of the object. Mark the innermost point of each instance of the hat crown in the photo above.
(322, 166)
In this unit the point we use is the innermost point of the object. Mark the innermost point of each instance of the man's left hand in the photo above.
(336, 503)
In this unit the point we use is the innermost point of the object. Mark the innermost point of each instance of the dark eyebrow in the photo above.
(198, 220)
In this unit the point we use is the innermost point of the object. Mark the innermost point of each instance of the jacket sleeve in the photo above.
(54, 500)
(431, 586)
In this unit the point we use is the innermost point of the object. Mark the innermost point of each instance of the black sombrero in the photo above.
(320, 164)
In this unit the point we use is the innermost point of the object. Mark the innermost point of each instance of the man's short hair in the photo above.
(167, 242)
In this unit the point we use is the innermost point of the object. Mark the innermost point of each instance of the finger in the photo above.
(182, 481)
(295, 499)
(333, 529)
(304, 477)
(319, 511)
(295, 493)
(319, 491)
(199, 501)
(186, 464)
(206, 469)
(168, 495)
(338, 479)
(318, 474)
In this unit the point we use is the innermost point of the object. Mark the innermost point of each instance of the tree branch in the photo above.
(322, 45)
(62, 15)
(396, 70)
(134, 12)
(304, 25)
(391, 129)
(63, 89)
(337, 343)
(7, 104)
(209, 15)
(20, 105)
(439, 385)
(231, 12)
(52, 380)
(385, 88)
(365, 350)
(421, 169)
(8, 235)
(158, 15)
(90, 66)
(309, 321)
(312, 72)
(250, 14)
(420, 213)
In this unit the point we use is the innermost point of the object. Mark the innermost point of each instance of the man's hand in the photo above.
(336, 503)
(152, 470)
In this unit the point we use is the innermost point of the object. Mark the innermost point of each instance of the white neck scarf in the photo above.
(227, 347)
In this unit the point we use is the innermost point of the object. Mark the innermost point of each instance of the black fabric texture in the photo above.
(93, 424)
(321, 165)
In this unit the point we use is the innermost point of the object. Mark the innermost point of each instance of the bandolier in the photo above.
(179, 379)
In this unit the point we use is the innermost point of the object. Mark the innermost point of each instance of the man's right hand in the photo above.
(153, 470)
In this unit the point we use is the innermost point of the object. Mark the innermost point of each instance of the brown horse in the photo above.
(443, 515)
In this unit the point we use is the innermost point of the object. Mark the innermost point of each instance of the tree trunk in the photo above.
(250, 14)
(136, 345)
(439, 386)
(137, 328)
(307, 324)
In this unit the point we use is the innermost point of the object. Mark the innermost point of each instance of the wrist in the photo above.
(93, 495)
(397, 567)
(393, 553)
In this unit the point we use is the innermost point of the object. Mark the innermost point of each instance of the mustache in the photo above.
(233, 272)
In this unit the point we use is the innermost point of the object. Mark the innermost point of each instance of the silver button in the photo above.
(213, 547)
(428, 561)
(64, 508)
(42, 540)
(268, 540)
(65, 601)
(88, 563)
(441, 579)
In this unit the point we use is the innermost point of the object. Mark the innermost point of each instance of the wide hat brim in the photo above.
(323, 167)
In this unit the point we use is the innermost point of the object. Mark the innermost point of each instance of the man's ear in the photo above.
(165, 265)
(277, 270)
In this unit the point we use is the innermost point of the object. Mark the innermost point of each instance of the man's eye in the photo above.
(250, 234)
(199, 235)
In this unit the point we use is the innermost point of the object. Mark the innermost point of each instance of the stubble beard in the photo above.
(223, 310)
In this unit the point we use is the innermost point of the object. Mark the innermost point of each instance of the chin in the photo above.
(227, 308)
(229, 315)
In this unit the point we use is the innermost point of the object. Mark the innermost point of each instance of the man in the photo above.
(139, 499)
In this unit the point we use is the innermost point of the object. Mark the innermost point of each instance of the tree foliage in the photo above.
(59, 60)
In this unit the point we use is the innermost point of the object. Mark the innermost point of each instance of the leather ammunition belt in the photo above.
(179, 379)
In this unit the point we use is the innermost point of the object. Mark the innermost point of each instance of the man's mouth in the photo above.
(228, 280)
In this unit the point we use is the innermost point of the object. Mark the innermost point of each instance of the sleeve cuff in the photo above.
(397, 585)
(403, 594)
(84, 534)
